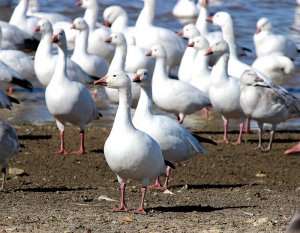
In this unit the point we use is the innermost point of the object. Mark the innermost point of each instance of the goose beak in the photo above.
(137, 78)
(148, 53)
(210, 19)
(102, 81)
(37, 29)
(54, 39)
(208, 52)
(180, 33)
(79, 3)
(258, 30)
(108, 40)
(73, 26)
(107, 24)
(192, 44)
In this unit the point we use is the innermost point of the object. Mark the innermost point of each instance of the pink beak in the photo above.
(108, 40)
(102, 81)
(191, 45)
(73, 26)
(208, 52)
(210, 19)
(258, 30)
(54, 39)
(107, 24)
(37, 29)
(137, 78)
(148, 53)
(79, 3)
(180, 33)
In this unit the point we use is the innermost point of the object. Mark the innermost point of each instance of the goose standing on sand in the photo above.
(176, 142)
(172, 95)
(129, 152)
(92, 64)
(67, 100)
(266, 103)
(119, 64)
(224, 90)
(97, 34)
(147, 35)
(266, 42)
(45, 55)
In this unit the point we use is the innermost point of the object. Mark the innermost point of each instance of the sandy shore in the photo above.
(230, 189)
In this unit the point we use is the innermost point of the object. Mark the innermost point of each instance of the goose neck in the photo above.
(147, 14)
(19, 12)
(118, 61)
(144, 107)
(219, 71)
(90, 16)
(228, 35)
(45, 43)
(81, 43)
(60, 71)
(201, 23)
(160, 69)
(120, 24)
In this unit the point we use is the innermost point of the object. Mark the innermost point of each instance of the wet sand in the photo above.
(230, 189)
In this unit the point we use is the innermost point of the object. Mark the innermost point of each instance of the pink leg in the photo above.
(62, 150)
(81, 149)
(122, 207)
(141, 210)
(295, 149)
(180, 119)
(157, 184)
(225, 137)
(248, 128)
(239, 140)
(206, 112)
(10, 90)
(168, 171)
(94, 94)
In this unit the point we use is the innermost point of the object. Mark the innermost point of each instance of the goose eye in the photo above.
(114, 75)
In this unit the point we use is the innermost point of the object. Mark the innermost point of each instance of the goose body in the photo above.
(185, 9)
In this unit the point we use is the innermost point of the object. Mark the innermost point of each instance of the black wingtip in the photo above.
(247, 49)
(168, 163)
(100, 114)
(94, 77)
(22, 83)
(31, 44)
(204, 140)
(13, 100)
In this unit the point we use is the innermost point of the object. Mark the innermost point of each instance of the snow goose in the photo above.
(116, 18)
(189, 32)
(173, 95)
(20, 19)
(276, 67)
(97, 35)
(92, 64)
(147, 35)
(9, 146)
(266, 103)
(224, 90)
(19, 60)
(185, 9)
(176, 142)
(129, 152)
(45, 55)
(266, 42)
(119, 64)
(68, 101)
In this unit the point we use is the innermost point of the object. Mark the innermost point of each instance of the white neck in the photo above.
(90, 16)
(144, 107)
(219, 71)
(45, 45)
(118, 61)
(201, 63)
(201, 23)
(120, 24)
(19, 12)
(147, 14)
(81, 43)
(60, 72)
(160, 69)
(228, 35)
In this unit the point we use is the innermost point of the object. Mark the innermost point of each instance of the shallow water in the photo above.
(283, 14)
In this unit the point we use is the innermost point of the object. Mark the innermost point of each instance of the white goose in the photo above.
(147, 35)
(224, 90)
(92, 64)
(119, 64)
(97, 35)
(266, 42)
(129, 152)
(172, 95)
(176, 142)
(19, 60)
(189, 32)
(266, 103)
(45, 55)
(20, 19)
(68, 101)
(185, 9)
(276, 67)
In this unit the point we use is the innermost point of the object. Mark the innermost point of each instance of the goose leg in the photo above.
(82, 148)
(225, 137)
(272, 133)
(206, 112)
(4, 171)
(295, 149)
(157, 184)
(260, 129)
(180, 118)
(122, 207)
(239, 140)
(248, 128)
(62, 150)
(168, 171)
(141, 210)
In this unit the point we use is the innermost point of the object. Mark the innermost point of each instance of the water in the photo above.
(283, 14)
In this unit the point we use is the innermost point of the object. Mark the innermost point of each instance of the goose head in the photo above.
(115, 79)
(218, 47)
(203, 3)
(263, 24)
(157, 51)
(249, 77)
(43, 26)
(220, 18)
(80, 24)
(189, 31)
(199, 43)
(86, 4)
(111, 13)
(116, 38)
(59, 37)
(142, 77)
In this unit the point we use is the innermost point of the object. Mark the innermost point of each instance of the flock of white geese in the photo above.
(134, 63)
